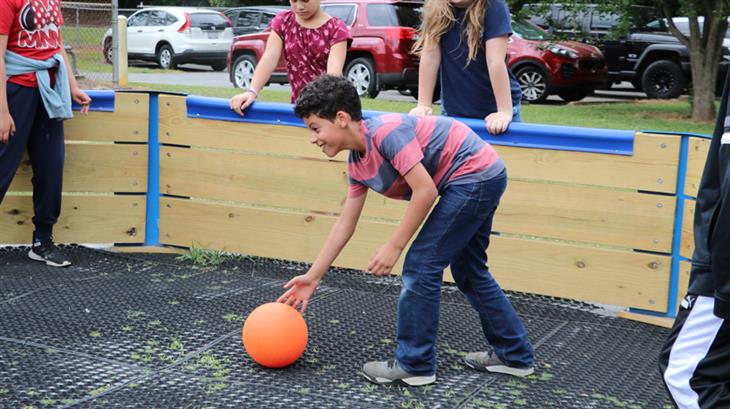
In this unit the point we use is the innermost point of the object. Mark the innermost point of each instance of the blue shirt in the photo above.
(466, 90)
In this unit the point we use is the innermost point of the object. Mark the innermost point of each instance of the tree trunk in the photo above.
(704, 79)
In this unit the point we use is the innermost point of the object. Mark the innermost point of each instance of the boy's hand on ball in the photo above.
(497, 122)
(298, 291)
(383, 260)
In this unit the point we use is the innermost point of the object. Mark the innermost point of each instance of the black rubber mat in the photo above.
(157, 331)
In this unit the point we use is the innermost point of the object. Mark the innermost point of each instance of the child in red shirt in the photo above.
(313, 42)
(31, 29)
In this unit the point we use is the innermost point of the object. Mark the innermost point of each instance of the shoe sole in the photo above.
(33, 256)
(501, 369)
(412, 381)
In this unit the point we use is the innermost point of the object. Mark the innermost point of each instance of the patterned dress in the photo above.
(307, 49)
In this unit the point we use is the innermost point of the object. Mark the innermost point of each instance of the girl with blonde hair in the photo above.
(467, 40)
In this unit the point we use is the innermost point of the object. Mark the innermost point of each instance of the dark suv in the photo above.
(379, 57)
(649, 57)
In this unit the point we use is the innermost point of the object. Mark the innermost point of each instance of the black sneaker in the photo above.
(50, 254)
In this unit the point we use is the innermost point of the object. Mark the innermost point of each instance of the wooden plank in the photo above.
(663, 322)
(610, 217)
(683, 284)
(95, 168)
(697, 149)
(177, 128)
(148, 249)
(84, 219)
(575, 213)
(653, 167)
(128, 122)
(608, 276)
(688, 238)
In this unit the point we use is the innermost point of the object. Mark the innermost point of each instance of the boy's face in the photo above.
(329, 135)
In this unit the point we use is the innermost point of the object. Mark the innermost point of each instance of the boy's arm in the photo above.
(78, 95)
(496, 48)
(423, 196)
(428, 69)
(7, 126)
(301, 288)
(261, 75)
(336, 59)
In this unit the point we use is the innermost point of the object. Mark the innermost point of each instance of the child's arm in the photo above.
(496, 48)
(7, 126)
(261, 75)
(428, 69)
(78, 95)
(301, 288)
(336, 59)
(424, 194)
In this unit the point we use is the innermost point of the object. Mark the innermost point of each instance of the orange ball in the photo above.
(275, 335)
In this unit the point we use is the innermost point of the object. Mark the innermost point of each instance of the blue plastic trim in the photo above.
(101, 100)
(520, 134)
(152, 228)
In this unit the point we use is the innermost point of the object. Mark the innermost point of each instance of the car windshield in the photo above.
(529, 31)
(209, 21)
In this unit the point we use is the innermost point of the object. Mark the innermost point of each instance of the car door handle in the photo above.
(160, 31)
(139, 31)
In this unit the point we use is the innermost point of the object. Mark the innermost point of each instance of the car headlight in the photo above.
(562, 51)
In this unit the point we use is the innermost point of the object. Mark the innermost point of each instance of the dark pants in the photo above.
(457, 233)
(695, 361)
(43, 138)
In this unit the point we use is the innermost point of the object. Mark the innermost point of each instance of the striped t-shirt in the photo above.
(449, 150)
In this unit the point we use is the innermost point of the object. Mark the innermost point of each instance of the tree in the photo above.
(704, 44)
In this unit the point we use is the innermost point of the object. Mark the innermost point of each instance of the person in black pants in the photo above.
(36, 88)
(695, 360)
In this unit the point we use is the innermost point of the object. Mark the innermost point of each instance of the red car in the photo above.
(543, 67)
(379, 57)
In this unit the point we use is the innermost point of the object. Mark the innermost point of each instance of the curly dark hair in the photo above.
(327, 95)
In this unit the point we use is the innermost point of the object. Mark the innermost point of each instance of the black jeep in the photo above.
(648, 56)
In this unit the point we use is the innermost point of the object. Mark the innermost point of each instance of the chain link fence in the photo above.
(86, 34)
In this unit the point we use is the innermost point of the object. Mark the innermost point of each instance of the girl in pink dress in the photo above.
(313, 42)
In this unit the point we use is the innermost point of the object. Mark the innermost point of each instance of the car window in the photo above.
(394, 15)
(345, 12)
(603, 21)
(529, 31)
(248, 19)
(171, 19)
(157, 18)
(265, 20)
(208, 21)
(139, 19)
(570, 19)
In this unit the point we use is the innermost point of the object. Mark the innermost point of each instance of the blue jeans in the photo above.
(456, 233)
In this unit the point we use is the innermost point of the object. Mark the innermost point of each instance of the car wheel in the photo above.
(166, 57)
(108, 52)
(533, 83)
(221, 66)
(242, 72)
(573, 95)
(663, 79)
(361, 73)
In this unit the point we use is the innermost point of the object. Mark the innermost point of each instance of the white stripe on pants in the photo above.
(692, 345)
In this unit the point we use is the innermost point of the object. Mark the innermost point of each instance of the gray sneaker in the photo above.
(483, 361)
(388, 372)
